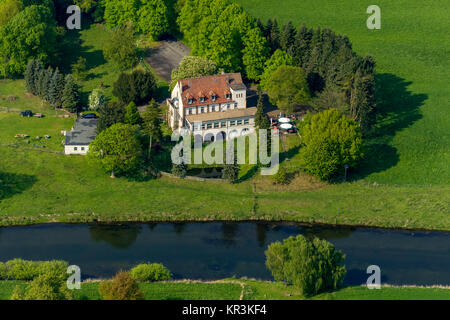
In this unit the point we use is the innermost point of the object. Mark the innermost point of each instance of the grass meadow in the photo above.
(235, 289)
(411, 142)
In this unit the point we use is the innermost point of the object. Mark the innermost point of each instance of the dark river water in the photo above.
(218, 250)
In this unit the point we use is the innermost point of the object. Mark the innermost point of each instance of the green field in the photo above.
(411, 144)
(233, 289)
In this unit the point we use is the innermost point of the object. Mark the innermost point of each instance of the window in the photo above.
(75, 148)
(228, 96)
(202, 99)
(190, 101)
(235, 105)
(203, 126)
(239, 122)
(228, 106)
(190, 111)
(232, 123)
(246, 121)
(213, 98)
(82, 148)
(223, 124)
(216, 125)
(202, 109)
(209, 126)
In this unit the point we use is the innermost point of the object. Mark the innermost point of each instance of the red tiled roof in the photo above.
(219, 85)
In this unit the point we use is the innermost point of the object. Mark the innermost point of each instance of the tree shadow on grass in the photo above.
(12, 184)
(397, 109)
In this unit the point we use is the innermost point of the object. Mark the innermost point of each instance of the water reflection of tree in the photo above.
(118, 236)
(229, 232)
(179, 228)
(152, 226)
(326, 232)
(261, 233)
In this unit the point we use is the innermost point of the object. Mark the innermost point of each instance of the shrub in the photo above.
(230, 172)
(312, 266)
(151, 272)
(179, 170)
(281, 177)
(121, 287)
(19, 269)
(47, 286)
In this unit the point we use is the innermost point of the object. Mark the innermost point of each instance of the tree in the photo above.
(70, 95)
(8, 9)
(121, 48)
(136, 87)
(109, 114)
(255, 53)
(46, 84)
(330, 141)
(331, 97)
(261, 120)
(121, 287)
(31, 75)
(274, 35)
(279, 58)
(287, 87)
(193, 67)
(312, 266)
(117, 149)
(79, 69)
(47, 286)
(362, 100)
(56, 90)
(121, 12)
(153, 18)
(97, 99)
(132, 115)
(29, 34)
(287, 37)
(151, 272)
(152, 124)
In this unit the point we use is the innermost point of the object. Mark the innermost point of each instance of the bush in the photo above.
(121, 287)
(312, 266)
(281, 177)
(19, 269)
(47, 286)
(151, 272)
(179, 170)
(230, 172)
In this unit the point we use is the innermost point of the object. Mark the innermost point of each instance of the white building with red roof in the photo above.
(214, 106)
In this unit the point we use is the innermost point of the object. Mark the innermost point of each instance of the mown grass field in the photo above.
(232, 289)
(411, 142)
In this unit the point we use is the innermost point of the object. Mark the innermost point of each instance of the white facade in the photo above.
(81, 150)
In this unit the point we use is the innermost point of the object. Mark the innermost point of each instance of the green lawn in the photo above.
(412, 140)
(231, 289)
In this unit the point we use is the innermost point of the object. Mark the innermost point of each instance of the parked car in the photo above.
(89, 116)
(26, 113)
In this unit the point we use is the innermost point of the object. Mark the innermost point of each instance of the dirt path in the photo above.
(166, 57)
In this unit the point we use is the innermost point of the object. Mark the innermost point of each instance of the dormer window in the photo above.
(202, 99)
(213, 98)
(228, 96)
(190, 100)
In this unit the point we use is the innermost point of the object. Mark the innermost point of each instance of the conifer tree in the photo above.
(275, 35)
(132, 114)
(56, 89)
(261, 120)
(287, 37)
(70, 95)
(29, 76)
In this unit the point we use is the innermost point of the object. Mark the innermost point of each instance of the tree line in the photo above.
(52, 86)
